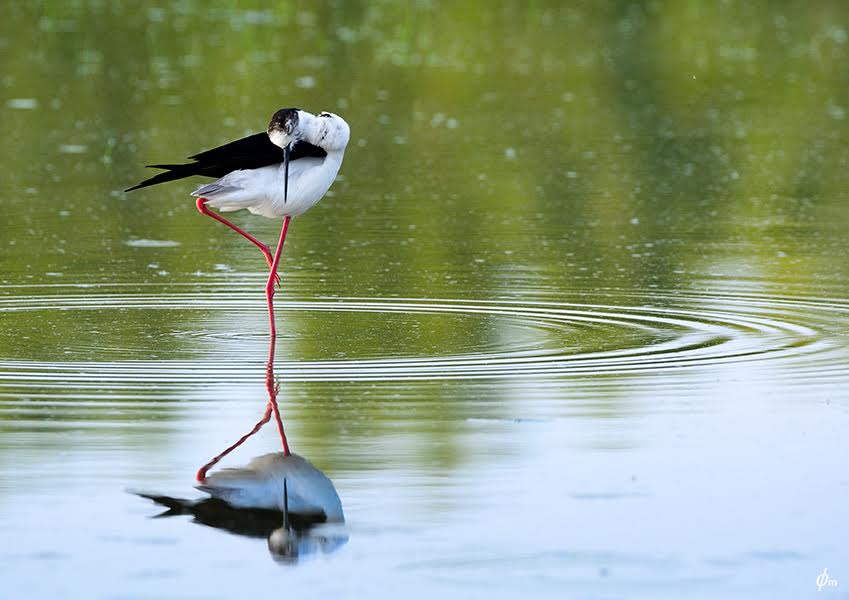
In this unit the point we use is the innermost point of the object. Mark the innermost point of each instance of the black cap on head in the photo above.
(284, 120)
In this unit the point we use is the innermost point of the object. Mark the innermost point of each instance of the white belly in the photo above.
(261, 191)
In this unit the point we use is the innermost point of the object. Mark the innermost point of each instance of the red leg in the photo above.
(272, 277)
(201, 204)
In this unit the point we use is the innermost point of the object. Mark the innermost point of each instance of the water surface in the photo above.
(571, 323)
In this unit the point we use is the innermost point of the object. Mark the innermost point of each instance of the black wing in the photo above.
(252, 152)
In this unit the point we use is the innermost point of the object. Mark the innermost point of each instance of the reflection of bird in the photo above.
(283, 498)
(282, 172)
(272, 388)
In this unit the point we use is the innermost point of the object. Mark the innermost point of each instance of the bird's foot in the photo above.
(267, 252)
(271, 286)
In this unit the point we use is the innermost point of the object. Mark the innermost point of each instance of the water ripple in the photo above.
(681, 331)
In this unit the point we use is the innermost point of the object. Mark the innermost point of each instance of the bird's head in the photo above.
(325, 130)
(290, 125)
(284, 126)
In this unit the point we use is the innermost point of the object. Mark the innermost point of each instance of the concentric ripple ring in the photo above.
(686, 329)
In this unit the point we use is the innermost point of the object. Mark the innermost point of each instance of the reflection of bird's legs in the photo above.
(265, 418)
(273, 389)
(201, 204)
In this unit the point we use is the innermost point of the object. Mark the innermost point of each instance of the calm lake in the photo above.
(573, 321)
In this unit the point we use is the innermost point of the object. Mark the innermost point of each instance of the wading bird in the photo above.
(281, 172)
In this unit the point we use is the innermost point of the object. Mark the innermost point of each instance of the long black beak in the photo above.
(285, 174)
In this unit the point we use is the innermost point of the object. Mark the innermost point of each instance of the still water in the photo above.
(573, 321)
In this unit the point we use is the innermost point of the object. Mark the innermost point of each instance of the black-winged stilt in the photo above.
(281, 172)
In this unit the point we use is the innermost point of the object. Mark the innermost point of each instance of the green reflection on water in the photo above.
(525, 150)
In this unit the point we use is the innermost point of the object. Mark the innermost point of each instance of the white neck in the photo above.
(329, 132)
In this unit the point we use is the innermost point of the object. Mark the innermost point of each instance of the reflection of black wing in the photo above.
(253, 522)
(303, 534)
(252, 152)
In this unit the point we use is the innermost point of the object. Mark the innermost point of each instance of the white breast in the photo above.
(309, 180)
(261, 191)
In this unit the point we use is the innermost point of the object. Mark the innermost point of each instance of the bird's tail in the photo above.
(172, 173)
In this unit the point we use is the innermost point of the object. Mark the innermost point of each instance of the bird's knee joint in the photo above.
(201, 204)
